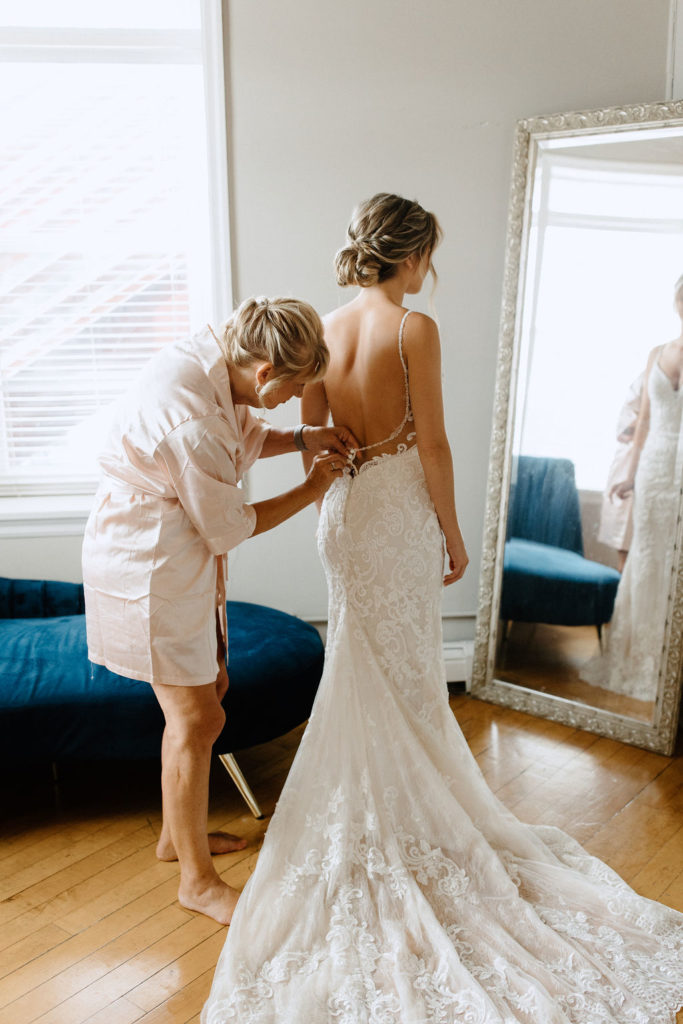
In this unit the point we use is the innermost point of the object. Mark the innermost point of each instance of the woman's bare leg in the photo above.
(194, 719)
(219, 842)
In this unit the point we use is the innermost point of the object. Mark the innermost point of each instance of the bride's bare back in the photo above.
(366, 385)
(390, 403)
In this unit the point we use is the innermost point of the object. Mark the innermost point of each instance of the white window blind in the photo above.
(107, 250)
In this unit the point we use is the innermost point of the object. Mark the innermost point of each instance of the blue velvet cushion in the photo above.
(544, 583)
(38, 599)
(55, 705)
(544, 502)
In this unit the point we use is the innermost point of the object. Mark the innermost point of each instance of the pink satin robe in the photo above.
(167, 511)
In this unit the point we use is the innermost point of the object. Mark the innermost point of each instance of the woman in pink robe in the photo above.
(167, 511)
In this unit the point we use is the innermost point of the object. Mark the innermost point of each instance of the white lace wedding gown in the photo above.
(393, 887)
(632, 654)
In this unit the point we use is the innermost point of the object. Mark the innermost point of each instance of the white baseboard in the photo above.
(458, 658)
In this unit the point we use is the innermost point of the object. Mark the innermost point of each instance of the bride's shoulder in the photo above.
(420, 333)
(335, 322)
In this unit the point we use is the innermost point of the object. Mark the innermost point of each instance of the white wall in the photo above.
(330, 102)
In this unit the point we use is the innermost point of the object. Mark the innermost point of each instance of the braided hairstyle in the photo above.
(384, 231)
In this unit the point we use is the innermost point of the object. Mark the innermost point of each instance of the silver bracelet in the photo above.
(298, 437)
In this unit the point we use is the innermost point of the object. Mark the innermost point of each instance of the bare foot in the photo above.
(216, 900)
(219, 842)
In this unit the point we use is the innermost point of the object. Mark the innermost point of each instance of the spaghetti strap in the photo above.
(400, 348)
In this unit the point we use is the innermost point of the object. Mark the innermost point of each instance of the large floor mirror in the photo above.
(581, 598)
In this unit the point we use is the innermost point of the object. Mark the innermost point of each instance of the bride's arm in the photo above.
(316, 413)
(423, 355)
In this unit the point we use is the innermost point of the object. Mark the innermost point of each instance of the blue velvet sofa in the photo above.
(56, 706)
(546, 577)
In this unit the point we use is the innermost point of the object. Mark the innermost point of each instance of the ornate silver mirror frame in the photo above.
(660, 734)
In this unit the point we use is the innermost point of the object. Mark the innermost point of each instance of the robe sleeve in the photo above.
(254, 433)
(200, 459)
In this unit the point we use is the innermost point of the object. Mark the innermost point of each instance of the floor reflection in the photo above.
(549, 659)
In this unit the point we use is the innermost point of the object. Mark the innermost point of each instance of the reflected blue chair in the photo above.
(546, 577)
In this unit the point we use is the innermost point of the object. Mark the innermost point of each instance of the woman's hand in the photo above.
(329, 439)
(622, 489)
(457, 559)
(324, 471)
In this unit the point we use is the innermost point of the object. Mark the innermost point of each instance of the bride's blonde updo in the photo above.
(285, 332)
(384, 231)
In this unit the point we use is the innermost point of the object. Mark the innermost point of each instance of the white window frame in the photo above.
(65, 514)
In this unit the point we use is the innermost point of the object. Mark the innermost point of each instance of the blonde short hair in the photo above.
(678, 287)
(288, 333)
(384, 231)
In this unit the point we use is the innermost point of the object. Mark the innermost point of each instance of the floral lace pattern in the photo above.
(393, 887)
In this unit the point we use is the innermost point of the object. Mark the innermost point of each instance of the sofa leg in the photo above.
(233, 769)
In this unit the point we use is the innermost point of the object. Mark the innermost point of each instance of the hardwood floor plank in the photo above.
(26, 877)
(137, 884)
(121, 1011)
(93, 933)
(633, 837)
(28, 1001)
(111, 879)
(127, 977)
(25, 950)
(52, 841)
(24, 832)
(65, 879)
(185, 1006)
(663, 870)
(667, 788)
(195, 963)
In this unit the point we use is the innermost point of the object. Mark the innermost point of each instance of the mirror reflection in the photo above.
(596, 470)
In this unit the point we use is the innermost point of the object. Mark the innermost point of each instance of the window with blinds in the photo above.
(106, 243)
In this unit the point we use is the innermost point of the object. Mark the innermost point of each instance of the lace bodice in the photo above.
(666, 405)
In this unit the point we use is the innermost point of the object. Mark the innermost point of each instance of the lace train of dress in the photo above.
(393, 887)
(630, 661)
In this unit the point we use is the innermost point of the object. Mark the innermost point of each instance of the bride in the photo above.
(630, 661)
(393, 887)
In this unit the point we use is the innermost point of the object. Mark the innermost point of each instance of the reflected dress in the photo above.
(393, 887)
(632, 654)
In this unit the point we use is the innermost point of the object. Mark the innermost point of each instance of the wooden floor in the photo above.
(90, 930)
(550, 659)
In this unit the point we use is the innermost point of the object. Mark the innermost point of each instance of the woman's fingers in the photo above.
(325, 469)
(621, 490)
(347, 439)
(337, 445)
(336, 439)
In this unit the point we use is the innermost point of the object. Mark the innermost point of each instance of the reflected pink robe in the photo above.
(616, 515)
(167, 511)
